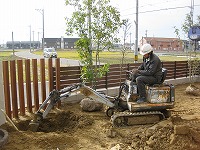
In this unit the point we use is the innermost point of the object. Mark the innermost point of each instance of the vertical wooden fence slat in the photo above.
(43, 81)
(175, 70)
(28, 85)
(187, 70)
(21, 86)
(128, 66)
(106, 80)
(13, 88)
(35, 84)
(57, 62)
(50, 74)
(6, 88)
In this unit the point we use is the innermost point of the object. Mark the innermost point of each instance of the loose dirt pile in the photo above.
(72, 129)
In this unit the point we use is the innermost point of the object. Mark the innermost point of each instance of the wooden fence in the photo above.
(25, 81)
(116, 74)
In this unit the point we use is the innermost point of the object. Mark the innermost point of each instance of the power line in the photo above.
(161, 10)
(164, 9)
(166, 1)
(154, 4)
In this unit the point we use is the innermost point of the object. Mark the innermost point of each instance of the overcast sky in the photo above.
(18, 16)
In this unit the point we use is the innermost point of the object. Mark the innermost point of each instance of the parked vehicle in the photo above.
(50, 53)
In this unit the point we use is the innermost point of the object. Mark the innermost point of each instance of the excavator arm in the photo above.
(57, 95)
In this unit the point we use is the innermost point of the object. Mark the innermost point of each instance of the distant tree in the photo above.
(96, 23)
(188, 23)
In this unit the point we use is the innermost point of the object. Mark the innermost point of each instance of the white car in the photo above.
(50, 53)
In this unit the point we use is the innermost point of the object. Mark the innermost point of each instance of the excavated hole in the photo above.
(65, 121)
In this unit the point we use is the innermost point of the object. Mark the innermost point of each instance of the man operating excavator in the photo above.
(148, 73)
(122, 111)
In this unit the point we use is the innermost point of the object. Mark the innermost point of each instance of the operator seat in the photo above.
(163, 77)
(164, 74)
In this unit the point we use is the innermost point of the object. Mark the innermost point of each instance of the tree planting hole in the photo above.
(65, 121)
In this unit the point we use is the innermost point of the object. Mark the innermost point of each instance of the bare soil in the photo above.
(70, 128)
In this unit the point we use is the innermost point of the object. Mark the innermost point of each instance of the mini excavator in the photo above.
(123, 109)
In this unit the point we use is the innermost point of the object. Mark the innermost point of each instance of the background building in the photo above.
(57, 43)
(60, 43)
(163, 44)
(22, 44)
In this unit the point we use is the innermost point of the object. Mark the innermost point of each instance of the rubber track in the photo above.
(135, 114)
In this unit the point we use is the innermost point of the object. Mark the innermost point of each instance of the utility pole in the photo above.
(42, 12)
(146, 33)
(192, 10)
(130, 40)
(38, 40)
(142, 39)
(13, 43)
(33, 40)
(30, 38)
(136, 33)
(43, 30)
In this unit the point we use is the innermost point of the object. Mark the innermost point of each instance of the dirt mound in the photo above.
(70, 128)
(64, 121)
(192, 90)
(58, 121)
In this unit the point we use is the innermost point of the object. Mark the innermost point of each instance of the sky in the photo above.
(21, 18)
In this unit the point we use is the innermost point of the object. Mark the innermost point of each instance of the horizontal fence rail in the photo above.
(27, 82)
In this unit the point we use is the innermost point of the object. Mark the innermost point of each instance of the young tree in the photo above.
(96, 23)
(193, 62)
(188, 23)
(126, 28)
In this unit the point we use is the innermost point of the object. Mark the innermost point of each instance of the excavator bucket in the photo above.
(33, 126)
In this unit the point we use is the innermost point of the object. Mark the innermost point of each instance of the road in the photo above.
(63, 61)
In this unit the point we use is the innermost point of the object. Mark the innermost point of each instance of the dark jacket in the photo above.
(151, 67)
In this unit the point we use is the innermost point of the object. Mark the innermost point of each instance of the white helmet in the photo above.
(145, 49)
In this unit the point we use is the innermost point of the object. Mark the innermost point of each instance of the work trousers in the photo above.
(142, 81)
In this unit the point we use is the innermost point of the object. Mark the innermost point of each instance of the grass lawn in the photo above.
(111, 57)
(7, 55)
(114, 57)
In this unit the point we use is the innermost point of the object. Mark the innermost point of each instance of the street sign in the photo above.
(194, 33)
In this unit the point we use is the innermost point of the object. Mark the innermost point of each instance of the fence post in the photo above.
(57, 62)
(2, 101)
(21, 86)
(28, 85)
(6, 88)
(43, 81)
(35, 84)
(14, 88)
(50, 74)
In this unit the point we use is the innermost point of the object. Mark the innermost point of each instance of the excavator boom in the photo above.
(56, 96)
